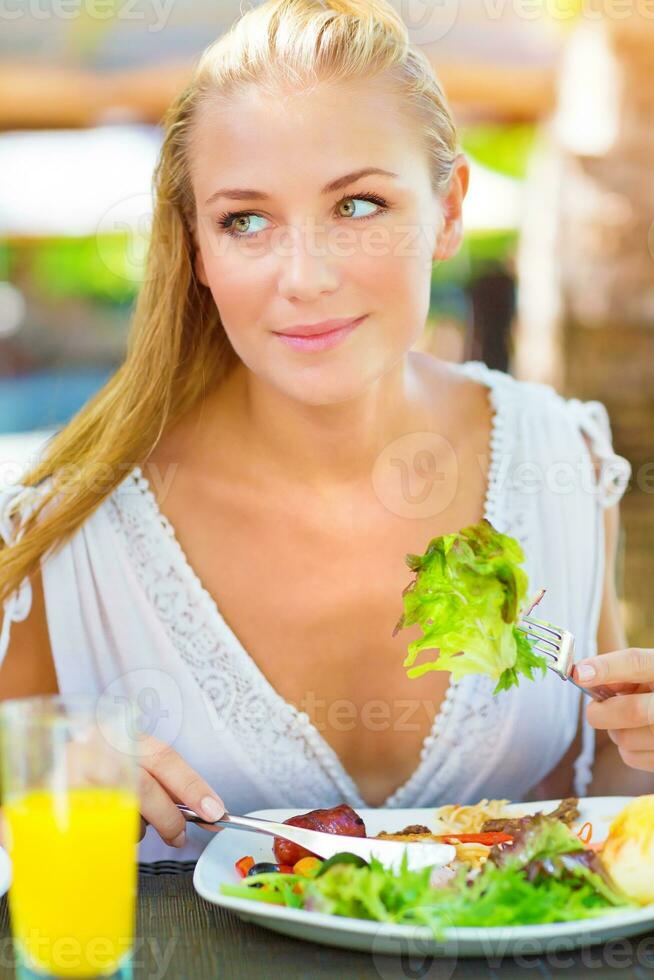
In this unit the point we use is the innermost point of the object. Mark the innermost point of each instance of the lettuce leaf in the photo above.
(508, 895)
(538, 837)
(545, 847)
(467, 597)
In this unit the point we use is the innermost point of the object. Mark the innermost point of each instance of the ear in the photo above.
(451, 234)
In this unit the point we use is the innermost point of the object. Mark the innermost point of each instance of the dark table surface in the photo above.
(180, 935)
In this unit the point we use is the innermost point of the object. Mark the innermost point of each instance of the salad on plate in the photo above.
(536, 869)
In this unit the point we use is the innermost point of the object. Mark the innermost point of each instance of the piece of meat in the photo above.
(340, 819)
(506, 825)
(567, 811)
(406, 838)
(411, 830)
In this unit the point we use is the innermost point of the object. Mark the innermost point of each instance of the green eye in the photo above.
(246, 219)
(350, 203)
(239, 224)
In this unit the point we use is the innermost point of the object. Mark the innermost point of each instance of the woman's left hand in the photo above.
(629, 717)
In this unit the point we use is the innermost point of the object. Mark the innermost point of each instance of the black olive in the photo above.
(261, 868)
(343, 857)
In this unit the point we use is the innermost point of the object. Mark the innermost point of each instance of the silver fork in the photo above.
(419, 854)
(558, 646)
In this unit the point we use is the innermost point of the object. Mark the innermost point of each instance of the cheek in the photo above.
(396, 269)
(402, 290)
(239, 289)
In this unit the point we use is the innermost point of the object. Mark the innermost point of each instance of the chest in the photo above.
(313, 590)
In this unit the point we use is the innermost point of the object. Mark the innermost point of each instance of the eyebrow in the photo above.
(237, 193)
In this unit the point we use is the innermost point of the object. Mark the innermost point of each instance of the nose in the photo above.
(306, 267)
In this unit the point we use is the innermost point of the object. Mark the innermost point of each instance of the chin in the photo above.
(310, 391)
(327, 383)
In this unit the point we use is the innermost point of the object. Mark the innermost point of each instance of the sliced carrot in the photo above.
(585, 833)
(489, 838)
(244, 864)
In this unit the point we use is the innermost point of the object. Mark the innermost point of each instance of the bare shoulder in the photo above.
(28, 667)
(447, 389)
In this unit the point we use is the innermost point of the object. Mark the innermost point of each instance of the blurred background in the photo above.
(555, 281)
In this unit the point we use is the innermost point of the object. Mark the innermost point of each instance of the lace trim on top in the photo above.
(235, 686)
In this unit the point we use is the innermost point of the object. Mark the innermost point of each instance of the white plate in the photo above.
(5, 871)
(216, 866)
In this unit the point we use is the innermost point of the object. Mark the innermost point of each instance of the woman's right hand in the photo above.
(166, 779)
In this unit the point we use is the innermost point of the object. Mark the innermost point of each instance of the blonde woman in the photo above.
(219, 536)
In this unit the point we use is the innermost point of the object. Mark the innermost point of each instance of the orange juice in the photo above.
(74, 866)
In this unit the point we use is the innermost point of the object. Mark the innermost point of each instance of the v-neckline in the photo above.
(330, 759)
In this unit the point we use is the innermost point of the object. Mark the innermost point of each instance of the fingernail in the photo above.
(180, 840)
(586, 672)
(211, 808)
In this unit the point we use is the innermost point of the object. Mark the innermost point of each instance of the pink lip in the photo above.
(325, 340)
(314, 329)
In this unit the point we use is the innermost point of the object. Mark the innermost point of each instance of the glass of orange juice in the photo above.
(70, 822)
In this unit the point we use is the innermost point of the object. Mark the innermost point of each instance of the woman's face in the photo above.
(298, 252)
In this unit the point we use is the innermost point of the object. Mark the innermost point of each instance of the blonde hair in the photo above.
(177, 343)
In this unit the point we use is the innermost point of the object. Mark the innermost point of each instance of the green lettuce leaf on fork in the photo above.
(468, 597)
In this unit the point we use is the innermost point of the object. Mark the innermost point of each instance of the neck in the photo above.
(326, 447)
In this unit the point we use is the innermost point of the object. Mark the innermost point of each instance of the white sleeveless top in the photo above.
(127, 614)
